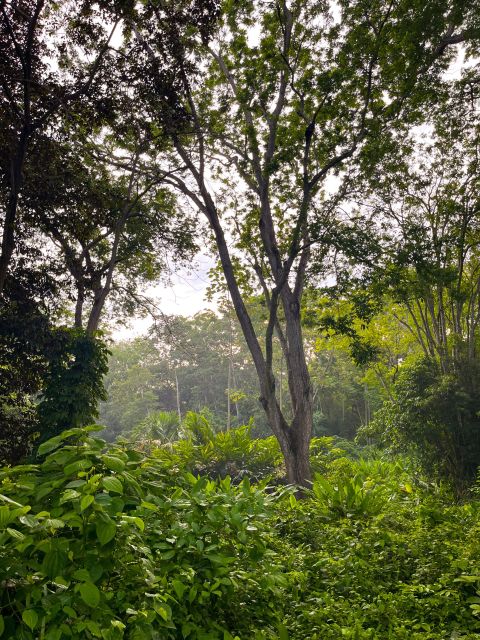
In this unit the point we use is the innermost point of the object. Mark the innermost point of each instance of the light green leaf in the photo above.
(112, 484)
(163, 610)
(86, 501)
(179, 588)
(30, 618)
(113, 463)
(18, 535)
(90, 594)
(69, 494)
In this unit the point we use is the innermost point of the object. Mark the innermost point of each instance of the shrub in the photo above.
(102, 544)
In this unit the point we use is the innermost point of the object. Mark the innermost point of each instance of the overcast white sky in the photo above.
(184, 295)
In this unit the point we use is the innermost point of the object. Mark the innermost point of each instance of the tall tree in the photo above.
(51, 57)
(431, 202)
(112, 222)
(289, 93)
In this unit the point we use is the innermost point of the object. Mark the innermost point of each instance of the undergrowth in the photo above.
(178, 543)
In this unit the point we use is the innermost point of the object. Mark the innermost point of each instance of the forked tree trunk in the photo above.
(294, 438)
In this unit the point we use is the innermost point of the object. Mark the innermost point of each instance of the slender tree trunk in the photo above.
(229, 384)
(177, 388)
(8, 237)
(79, 306)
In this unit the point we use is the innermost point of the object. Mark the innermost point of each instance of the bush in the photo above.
(99, 544)
(111, 543)
(435, 417)
(231, 453)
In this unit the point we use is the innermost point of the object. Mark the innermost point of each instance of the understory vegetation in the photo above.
(112, 541)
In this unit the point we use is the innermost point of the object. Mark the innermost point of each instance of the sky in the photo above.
(184, 295)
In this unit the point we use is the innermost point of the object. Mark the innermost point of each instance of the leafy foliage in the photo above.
(74, 382)
(435, 416)
(104, 545)
(226, 453)
(111, 543)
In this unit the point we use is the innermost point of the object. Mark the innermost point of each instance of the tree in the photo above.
(277, 109)
(205, 355)
(51, 61)
(431, 269)
(112, 224)
(430, 202)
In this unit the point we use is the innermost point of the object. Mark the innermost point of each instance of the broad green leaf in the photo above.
(77, 465)
(86, 501)
(112, 484)
(30, 618)
(163, 610)
(2, 625)
(68, 495)
(54, 523)
(83, 575)
(179, 588)
(105, 529)
(49, 445)
(90, 594)
(18, 535)
(113, 463)
(53, 562)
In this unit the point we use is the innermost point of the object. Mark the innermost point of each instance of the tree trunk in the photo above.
(179, 410)
(294, 439)
(8, 237)
(97, 308)
(79, 306)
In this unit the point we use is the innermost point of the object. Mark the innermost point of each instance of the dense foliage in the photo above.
(112, 543)
(326, 154)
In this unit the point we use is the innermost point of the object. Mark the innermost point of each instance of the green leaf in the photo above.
(163, 610)
(54, 523)
(18, 535)
(105, 529)
(2, 625)
(82, 575)
(90, 594)
(86, 501)
(30, 618)
(113, 463)
(112, 484)
(53, 562)
(179, 588)
(10, 501)
(77, 465)
(282, 632)
(5, 515)
(68, 495)
(49, 445)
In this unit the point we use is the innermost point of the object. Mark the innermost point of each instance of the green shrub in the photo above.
(112, 543)
(231, 453)
(102, 544)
